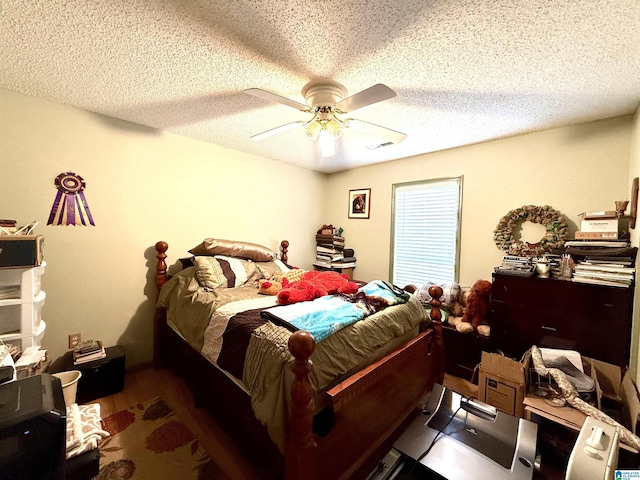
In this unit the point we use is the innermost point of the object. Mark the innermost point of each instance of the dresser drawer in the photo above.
(595, 320)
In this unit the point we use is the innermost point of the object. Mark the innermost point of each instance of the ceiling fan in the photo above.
(326, 103)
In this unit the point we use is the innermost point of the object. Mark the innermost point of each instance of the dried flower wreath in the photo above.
(505, 238)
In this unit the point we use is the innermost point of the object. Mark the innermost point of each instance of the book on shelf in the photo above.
(605, 267)
(604, 260)
(89, 357)
(343, 265)
(88, 351)
(599, 215)
(330, 256)
(329, 238)
(613, 276)
(86, 347)
(597, 243)
(328, 250)
(8, 227)
(600, 281)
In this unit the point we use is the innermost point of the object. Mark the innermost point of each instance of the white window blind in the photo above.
(425, 233)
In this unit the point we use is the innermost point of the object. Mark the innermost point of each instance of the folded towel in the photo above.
(84, 428)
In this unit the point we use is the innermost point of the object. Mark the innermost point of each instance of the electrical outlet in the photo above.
(74, 339)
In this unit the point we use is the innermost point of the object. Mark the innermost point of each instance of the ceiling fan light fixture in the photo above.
(334, 126)
(312, 130)
(327, 145)
(326, 102)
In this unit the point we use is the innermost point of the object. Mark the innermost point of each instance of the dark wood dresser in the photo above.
(595, 320)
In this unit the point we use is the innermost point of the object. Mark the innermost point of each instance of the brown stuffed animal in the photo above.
(476, 309)
(274, 284)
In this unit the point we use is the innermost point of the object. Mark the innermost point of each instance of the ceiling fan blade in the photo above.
(272, 97)
(377, 93)
(275, 131)
(376, 130)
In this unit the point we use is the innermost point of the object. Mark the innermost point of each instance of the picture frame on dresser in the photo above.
(359, 203)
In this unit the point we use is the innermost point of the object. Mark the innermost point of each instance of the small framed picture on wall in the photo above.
(359, 203)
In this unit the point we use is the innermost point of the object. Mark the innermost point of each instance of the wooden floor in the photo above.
(148, 383)
(144, 384)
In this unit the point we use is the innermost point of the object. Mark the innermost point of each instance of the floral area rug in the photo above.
(148, 441)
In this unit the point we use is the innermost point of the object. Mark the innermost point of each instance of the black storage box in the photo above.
(21, 251)
(100, 378)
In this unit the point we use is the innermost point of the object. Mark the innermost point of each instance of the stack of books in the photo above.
(329, 249)
(600, 270)
(88, 351)
(8, 227)
(348, 259)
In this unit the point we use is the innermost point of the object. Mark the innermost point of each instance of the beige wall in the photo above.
(572, 169)
(142, 186)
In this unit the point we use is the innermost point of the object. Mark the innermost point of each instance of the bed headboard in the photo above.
(161, 276)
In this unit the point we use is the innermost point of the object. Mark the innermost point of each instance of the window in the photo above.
(425, 233)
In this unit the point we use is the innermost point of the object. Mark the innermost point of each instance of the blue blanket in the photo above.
(325, 315)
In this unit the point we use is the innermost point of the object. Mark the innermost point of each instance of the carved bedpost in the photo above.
(436, 319)
(284, 248)
(161, 265)
(301, 346)
(300, 434)
(159, 319)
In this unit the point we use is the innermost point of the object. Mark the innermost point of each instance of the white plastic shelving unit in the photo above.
(21, 302)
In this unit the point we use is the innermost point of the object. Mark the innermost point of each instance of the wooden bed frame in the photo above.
(365, 409)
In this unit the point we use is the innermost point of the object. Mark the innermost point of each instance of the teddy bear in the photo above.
(314, 284)
(325, 228)
(273, 284)
(269, 286)
(476, 308)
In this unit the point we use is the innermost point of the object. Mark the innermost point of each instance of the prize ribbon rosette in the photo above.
(70, 206)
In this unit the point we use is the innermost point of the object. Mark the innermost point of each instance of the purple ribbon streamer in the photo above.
(54, 208)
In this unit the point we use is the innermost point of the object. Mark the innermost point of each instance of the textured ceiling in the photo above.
(464, 71)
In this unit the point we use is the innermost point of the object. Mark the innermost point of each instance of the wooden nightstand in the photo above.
(347, 271)
(462, 352)
(100, 378)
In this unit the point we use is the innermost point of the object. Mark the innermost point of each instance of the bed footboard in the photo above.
(367, 407)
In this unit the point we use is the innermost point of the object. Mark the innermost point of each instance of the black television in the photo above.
(32, 429)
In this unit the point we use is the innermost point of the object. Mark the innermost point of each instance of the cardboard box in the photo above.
(19, 251)
(600, 225)
(564, 415)
(596, 235)
(613, 389)
(501, 383)
(621, 389)
(599, 215)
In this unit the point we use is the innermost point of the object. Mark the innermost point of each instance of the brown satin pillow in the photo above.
(231, 248)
